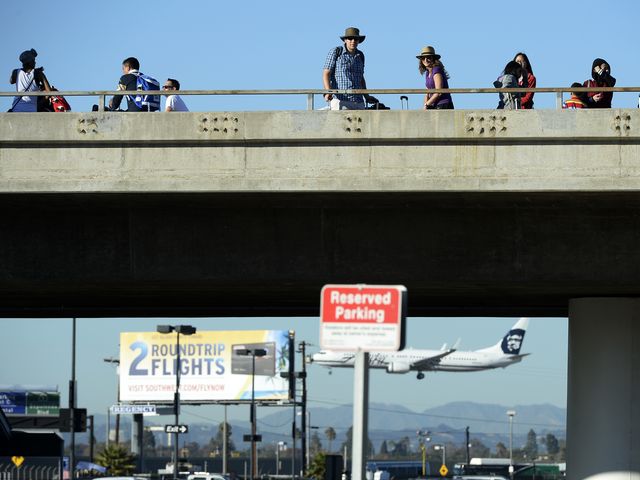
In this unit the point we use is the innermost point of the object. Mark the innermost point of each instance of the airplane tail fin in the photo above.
(511, 343)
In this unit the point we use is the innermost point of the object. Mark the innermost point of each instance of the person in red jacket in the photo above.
(527, 79)
(601, 77)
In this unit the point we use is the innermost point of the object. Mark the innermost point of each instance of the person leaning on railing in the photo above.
(509, 79)
(129, 81)
(28, 79)
(601, 77)
(436, 76)
(527, 79)
(174, 103)
(577, 100)
(344, 70)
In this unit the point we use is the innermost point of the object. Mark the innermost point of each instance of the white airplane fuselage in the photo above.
(458, 361)
(506, 352)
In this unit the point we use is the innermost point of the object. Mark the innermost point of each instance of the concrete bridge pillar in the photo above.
(603, 398)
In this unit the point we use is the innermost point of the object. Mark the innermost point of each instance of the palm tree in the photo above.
(117, 459)
(317, 467)
(330, 433)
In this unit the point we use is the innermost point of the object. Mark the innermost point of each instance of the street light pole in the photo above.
(72, 401)
(224, 442)
(423, 438)
(176, 403)
(444, 455)
(511, 414)
(253, 415)
(253, 352)
(185, 330)
(90, 417)
(468, 444)
(116, 362)
(303, 418)
(308, 427)
(280, 446)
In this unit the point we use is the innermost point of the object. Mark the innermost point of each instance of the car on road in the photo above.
(208, 476)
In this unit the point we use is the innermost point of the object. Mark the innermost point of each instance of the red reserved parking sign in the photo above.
(362, 317)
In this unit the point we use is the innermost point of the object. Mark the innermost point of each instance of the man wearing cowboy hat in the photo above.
(344, 70)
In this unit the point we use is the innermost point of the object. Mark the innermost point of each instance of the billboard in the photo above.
(211, 366)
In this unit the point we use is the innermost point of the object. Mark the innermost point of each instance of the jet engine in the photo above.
(398, 367)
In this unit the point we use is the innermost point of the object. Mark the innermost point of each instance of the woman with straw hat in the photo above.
(436, 76)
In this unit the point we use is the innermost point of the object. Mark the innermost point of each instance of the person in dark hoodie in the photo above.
(600, 77)
(509, 79)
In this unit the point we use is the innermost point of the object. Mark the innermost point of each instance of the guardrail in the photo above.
(310, 93)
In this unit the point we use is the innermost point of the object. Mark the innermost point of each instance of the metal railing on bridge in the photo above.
(311, 93)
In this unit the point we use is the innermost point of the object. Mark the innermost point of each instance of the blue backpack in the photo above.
(147, 102)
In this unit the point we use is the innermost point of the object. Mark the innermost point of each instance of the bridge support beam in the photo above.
(603, 398)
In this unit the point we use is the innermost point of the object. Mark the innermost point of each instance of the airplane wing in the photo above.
(428, 362)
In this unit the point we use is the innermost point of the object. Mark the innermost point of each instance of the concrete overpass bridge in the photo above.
(250, 213)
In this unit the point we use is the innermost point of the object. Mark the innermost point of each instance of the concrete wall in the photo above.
(477, 213)
(321, 151)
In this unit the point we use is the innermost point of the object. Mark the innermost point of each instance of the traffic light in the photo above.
(80, 419)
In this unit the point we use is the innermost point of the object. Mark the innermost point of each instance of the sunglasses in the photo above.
(356, 39)
(429, 59)
(168, 86)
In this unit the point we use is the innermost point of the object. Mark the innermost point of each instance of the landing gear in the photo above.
(420, 376)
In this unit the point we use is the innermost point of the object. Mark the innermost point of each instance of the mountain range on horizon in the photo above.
(446, 423)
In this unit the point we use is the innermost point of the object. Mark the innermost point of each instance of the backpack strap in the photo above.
(340, 50)
(19, 99)
(130, 97)
(332, 81)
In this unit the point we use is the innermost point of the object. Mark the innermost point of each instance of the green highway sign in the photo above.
(21, 402)
(43, 403)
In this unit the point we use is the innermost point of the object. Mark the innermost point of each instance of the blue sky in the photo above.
(37, 351)
(282, 44)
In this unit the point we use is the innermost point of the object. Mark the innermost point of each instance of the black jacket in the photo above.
(128, 82)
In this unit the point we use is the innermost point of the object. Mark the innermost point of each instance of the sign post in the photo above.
(362, 318)
(360, 415)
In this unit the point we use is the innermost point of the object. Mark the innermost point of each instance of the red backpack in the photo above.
(59, 104)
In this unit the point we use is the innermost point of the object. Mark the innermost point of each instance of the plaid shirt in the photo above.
(347, 72)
